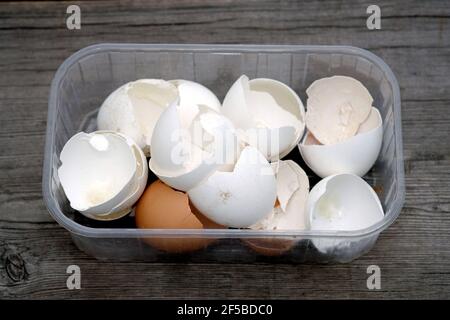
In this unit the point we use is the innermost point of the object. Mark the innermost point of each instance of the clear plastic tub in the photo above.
(85, 79)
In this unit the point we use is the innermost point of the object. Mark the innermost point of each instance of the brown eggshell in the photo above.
(270, 247)
(161, 207)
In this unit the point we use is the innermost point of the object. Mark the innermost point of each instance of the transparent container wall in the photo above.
(93, 75)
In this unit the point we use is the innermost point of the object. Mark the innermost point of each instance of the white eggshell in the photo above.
(102, 174)
(180, 159)
(355, 155)
(216, 135)
(267, 114)
(336, 107)
(140, 182)
(191, 92)
(292, 192)
(168, 133)
(284, 96)
(134, 108)
(343, 202)
(270, 141)
(235, 105)
(239, 198)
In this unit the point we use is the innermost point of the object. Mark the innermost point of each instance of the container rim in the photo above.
(80, 230)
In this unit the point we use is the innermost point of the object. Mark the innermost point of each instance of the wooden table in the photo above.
(413, 254)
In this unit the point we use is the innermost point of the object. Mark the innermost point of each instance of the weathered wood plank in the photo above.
(413, 254)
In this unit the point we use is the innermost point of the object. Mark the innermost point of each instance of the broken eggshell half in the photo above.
(189, 143)
(292, 192)
(336, 107)
(342, 202)
(134, 108)
(267, 114)
(238, 197)
(102, 173)
(289, 211)
(355, 155)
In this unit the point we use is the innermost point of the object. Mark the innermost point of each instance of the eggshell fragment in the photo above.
(102, 174)
(336, 107)
(162, 207)
(241, 197)
(355, 155)
(289, 212)
(292, 192)
(134, 108)
(267, 113)
(182, 156)
(140, 181)
(270, 247)
(342, 202)
(191, 92)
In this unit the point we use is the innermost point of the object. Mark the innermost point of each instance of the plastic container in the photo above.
(85, 79)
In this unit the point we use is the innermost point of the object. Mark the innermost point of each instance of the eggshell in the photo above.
(289, 212)
(140, 182)
(336, 107)
(134, 108)
(162, 207)
(181, 160)
(238, 198)
(191, 92)
(283, 95)
(356, 155)
(270, 141)
(292, 192)
(267, 113)
(270, 247)
(235, 105)
(342, 202)
(102, 174)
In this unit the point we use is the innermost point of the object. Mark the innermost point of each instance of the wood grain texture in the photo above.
(414, 253)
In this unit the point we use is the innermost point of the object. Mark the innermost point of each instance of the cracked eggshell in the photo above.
(241, 197)
(268, 114)
(139, 181)
(342, 202)
(191, 92)
(161, 207)
(180, 158)
(102, 174)
(336, 107)
(134, 108)
(355, 155)
(292, 192)
(289, 211)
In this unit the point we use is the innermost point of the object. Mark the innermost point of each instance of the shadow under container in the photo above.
(87, 77)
